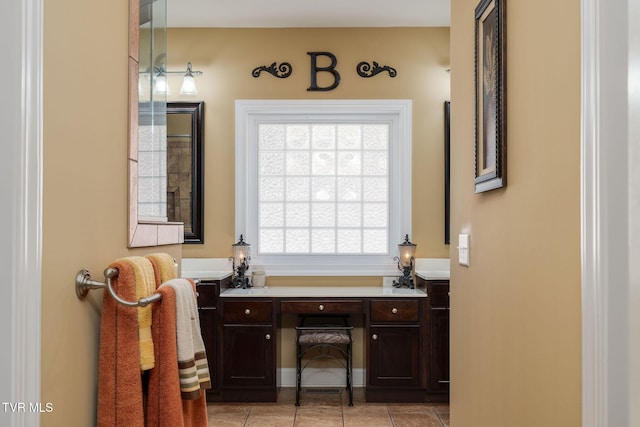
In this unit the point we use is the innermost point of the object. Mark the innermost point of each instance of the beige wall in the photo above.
(227, 57)
(515, 312)
(84, 193)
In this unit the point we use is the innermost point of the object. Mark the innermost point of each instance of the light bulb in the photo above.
(161, 87)
(188, 85)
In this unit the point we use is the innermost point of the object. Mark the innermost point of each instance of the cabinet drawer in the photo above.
(321, 307)
(394, 310)
(247, 311)
(207, 294)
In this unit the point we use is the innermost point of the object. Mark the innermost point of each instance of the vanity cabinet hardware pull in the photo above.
(448, 294)
(197, 294)
(374, 337)
(267, 337)
(394, 310)
(444, 382)
(321, 307)
(247, 311)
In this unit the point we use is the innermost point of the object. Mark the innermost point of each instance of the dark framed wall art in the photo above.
(490, 96)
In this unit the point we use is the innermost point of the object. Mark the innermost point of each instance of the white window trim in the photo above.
(251, 112)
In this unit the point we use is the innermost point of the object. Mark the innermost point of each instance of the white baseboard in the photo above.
(319, 377)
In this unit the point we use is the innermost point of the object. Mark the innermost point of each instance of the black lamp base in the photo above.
(406, 280)
(240, 280)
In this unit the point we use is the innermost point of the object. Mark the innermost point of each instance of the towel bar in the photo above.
(84, 284)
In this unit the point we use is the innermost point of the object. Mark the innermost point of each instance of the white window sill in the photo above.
(327, 270)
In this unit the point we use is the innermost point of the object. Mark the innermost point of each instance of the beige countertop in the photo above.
(220, 268)
(433, 274)
(323, 292)
(206, 274)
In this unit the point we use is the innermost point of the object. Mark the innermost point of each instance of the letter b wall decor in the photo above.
(284, 70)
(330, 69)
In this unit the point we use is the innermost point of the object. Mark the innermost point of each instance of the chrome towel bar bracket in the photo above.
(84, 284)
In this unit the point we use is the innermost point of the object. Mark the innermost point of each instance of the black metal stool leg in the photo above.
(298, 373)
(350, 373)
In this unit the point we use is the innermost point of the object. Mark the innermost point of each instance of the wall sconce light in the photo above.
(188, 83)
(240, 258)
(160, 87)
(406, 261)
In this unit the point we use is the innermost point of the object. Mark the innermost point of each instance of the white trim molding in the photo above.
(605, 215)
(21, 27)
(634, 209)
(593, 371)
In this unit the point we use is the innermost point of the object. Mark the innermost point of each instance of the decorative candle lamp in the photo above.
(406, 262)
(241, 257)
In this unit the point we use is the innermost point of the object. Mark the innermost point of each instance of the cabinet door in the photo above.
(208, 328)
(439, 349)
(394, 353)
(248, 355)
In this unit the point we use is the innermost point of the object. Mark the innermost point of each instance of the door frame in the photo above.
(601, 312)
(607, 214)
(21, 222)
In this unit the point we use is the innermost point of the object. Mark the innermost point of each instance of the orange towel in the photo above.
(163, 266)
(119, 382)
(165, 408)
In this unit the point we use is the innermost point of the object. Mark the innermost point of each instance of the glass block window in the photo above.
(323, 188)
(152, 162)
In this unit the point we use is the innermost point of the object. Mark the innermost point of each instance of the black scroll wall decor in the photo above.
(365, 69)
(282, 71)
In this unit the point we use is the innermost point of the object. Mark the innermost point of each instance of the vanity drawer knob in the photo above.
(197, 294)
(374, 337)
(394, 310)
(247, 311)
(321, 307)
(267, 337)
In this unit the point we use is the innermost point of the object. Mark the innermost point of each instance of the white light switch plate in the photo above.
(463, 249)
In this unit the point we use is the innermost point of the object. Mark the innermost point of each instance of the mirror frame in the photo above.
(141, 233)
(196, 110)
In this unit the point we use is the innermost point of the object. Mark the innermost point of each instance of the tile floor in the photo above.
(327, 410)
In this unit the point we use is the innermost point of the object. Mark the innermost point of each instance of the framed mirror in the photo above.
(185, 167)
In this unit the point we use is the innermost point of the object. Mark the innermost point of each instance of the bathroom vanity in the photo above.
(406, 336)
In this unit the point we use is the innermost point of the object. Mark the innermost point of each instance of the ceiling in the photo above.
(308, 13)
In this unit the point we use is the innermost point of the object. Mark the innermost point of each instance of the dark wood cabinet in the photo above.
(248, 356)
(438, 339)
(209, 328)
(248, 351)
(208, 292)
(439, 350)
(406, 340)
(394, 356)
(394, 351)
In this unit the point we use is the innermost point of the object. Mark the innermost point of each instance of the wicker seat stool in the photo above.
(323, 334)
